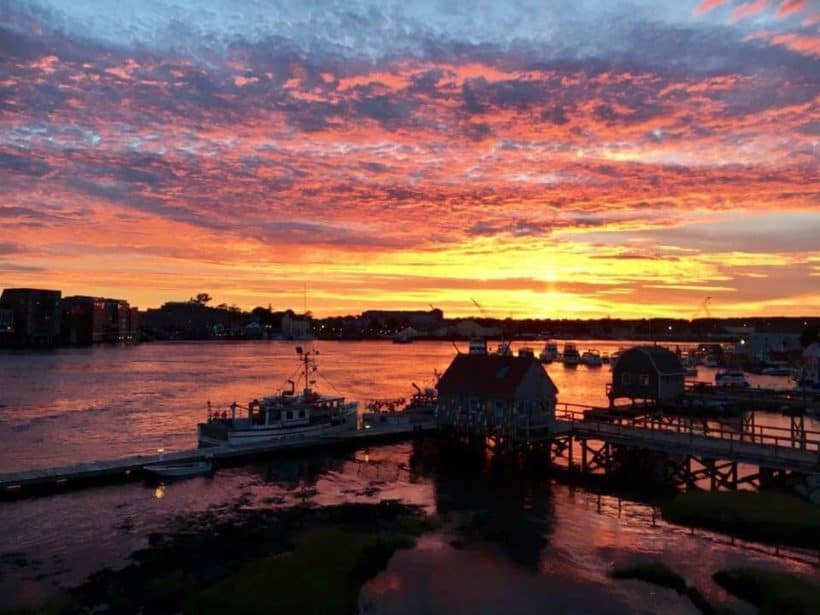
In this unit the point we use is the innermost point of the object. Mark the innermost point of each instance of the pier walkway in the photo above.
(762, 445)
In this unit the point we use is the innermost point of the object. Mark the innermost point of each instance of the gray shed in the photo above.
(647, 373)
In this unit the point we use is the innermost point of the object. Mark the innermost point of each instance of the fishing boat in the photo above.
(419, 410)
(731, 377)
(179, 469)
(281, 418)
(550, 353)
(570, 357)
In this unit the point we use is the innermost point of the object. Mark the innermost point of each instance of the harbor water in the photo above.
(73, 405)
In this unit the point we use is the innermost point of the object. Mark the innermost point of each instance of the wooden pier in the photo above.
(581, 438)
(682, 449)
(21, 484)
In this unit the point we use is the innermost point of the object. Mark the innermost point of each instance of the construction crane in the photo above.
(480, 309)
(703, 307)
(504, 346)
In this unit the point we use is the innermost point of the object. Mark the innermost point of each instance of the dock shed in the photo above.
(489, 393)
(647, 373)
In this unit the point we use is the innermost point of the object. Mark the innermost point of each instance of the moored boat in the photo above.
(419, 410)
(281, 418)
(526, 351)
(731, 377)
(592, 358)
(179, 469)
(570, 357)
(405, 336)
(549, 353)
(478, 345)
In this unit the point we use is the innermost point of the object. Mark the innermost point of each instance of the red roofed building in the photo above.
(489, 393)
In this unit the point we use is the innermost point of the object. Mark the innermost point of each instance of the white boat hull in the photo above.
(272, 434)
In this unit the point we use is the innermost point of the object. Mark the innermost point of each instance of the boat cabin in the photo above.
(647, 373)
(491, 391)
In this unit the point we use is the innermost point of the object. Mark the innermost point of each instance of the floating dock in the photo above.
(31, 482)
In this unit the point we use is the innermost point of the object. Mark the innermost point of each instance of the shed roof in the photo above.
(665, 361)
(488, 375)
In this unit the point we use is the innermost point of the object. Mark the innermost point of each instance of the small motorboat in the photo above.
(180, 469)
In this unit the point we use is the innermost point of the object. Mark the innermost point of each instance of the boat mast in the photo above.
(307, 360)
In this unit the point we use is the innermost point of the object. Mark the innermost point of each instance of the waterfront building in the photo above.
(6, 325)
(647, 373)
(36, 315)
(470, 329)
(399, 319)
(92, 320)
(491, 392)
(296, 327)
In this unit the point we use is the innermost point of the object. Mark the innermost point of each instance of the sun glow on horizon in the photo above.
(623, 159)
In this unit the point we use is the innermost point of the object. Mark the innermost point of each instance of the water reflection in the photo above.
(489, 503)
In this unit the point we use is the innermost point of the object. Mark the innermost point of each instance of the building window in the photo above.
(289, 414)
(626, 378)
(644, 380)
(301, 414)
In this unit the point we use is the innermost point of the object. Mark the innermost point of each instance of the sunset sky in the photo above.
(548, 159)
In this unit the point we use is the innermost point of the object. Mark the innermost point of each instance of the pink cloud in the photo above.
(750, 8)
(787, 7)
(709, 5)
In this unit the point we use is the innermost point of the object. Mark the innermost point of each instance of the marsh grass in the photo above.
(768, 517)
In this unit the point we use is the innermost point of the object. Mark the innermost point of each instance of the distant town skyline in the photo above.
(561, 160)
